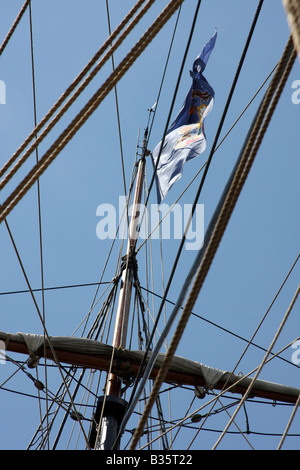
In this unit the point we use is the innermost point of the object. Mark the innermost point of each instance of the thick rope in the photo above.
(14, 26)
(292, 8)
(223, 219)
(70, 89)
(88, 110)
(289, 423)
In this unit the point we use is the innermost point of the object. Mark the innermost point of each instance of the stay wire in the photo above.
(38, 184)
(237, 74)
(164, 72)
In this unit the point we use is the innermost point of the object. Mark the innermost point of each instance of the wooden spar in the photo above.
(126, 365)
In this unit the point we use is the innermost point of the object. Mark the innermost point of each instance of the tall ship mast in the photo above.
(188, 338)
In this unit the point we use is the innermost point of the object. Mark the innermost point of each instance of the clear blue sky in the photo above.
(262, 239)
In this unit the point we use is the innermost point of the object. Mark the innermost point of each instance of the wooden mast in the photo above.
(111, 404)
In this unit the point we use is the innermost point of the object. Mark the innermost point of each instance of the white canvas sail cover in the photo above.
(34, 345)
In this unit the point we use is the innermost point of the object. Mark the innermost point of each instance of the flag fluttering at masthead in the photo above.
(185, 138)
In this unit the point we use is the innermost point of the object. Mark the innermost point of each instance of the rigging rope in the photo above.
(14, 26)
(88, 109)
(289, 424)
(292, 8)
(70, 89)
(224, 213)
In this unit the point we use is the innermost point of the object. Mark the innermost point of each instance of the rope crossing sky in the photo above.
(206, 255)
(88, 109)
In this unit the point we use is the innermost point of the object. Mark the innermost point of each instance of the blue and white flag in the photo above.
(185, 139)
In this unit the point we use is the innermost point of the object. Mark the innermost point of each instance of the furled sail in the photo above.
(93, 354)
